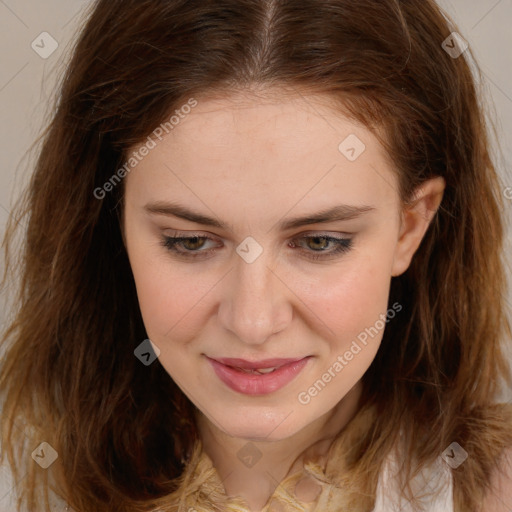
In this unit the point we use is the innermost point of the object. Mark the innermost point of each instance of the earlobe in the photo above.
(416, 218)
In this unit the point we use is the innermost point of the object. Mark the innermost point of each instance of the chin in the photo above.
(259, 429)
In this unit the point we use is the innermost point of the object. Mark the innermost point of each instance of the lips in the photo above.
(255, 365)
(248, 378)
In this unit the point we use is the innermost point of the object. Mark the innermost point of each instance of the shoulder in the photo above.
(499, 495)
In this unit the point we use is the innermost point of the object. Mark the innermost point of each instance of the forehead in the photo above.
(280, 143)
(278, 120)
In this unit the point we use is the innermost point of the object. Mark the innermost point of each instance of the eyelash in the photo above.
(343, 245)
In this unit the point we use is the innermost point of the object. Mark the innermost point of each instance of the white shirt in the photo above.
(434, 481)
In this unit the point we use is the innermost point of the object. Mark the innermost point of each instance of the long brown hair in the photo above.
(122, 430)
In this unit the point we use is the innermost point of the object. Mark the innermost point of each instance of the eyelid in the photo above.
(320, 233)
(342, 245)
(211, 236)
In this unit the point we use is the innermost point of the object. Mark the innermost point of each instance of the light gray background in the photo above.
(27, 81)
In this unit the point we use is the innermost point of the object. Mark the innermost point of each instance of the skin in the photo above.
(251, 162)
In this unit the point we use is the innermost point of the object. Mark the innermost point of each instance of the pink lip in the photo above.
(254, 384)
(248, 365)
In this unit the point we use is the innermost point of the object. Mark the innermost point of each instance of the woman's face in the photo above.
(296, 231)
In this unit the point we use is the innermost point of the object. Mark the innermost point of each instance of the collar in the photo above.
(314, 488)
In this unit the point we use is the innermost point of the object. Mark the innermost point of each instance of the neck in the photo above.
(279, 459)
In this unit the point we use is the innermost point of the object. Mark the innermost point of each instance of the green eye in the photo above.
(321, 242)
(315, 246)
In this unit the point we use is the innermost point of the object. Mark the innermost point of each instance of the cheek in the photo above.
(350, 298)
(169, 300)
(166, 292)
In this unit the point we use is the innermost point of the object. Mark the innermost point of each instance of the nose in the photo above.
(255, 302)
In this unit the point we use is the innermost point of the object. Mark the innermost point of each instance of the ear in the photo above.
(415, 220)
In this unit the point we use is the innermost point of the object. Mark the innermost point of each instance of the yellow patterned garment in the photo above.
(206, 488)
(314, 488)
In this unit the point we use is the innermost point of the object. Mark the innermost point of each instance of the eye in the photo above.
(315, 246)
(319, 242)
(192, 245)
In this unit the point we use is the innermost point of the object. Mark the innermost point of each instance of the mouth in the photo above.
(257, 377)
(262, 367)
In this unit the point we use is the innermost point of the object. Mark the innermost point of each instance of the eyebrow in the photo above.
(336, 213)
